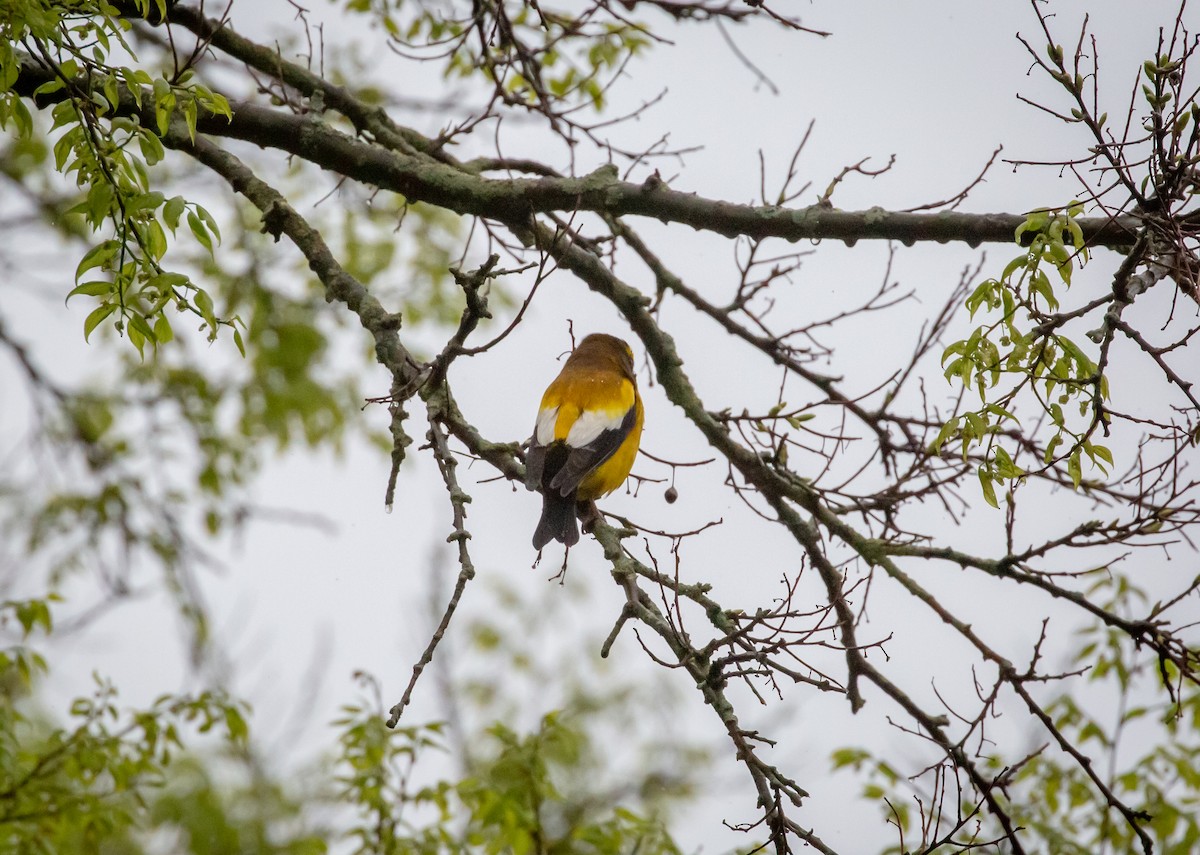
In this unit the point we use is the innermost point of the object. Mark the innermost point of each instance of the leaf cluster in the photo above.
(1019, 355)
(68, 788)
(109, 157)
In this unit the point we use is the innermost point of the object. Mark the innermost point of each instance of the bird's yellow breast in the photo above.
(612, 473)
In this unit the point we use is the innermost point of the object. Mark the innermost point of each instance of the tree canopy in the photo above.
(955, 517)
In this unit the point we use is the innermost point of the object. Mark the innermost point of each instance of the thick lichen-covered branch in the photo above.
(280, 218)
(423, 178)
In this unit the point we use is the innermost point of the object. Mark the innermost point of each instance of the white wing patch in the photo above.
(590, 424)
(544, 432)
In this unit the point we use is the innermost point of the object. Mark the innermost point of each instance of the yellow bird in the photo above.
(587, 435)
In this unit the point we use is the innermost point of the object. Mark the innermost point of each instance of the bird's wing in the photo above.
(535, 458)
(594, 437)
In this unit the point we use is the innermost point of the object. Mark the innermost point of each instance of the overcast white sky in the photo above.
(932, 83)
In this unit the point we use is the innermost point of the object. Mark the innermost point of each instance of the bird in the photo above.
(587, 434)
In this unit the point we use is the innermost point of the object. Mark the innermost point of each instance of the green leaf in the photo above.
(138, 323)
(996, 409)
(151, 147)
(94, 288)
(955, 349)
(1086, 366)
(96, 256)
(137, 339)
(1052, 446)
(1035, 221)
(199, 232)
(948, 430)
(189, 117)
(1076, 233)
(1011, 267)
(98, 314)
(1039, 283)
(204, 303)
(172, 211)
(1006, 468)
(1074, 468)
(843, 757)
(22, 118)
(162, 329)
(989, 489)
(156, 240)
(98, 205)
(235, 725)
(210, 222)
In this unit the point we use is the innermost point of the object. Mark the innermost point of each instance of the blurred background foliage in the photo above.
(185, 775)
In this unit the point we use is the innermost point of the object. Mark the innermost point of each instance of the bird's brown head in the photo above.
(601, 348)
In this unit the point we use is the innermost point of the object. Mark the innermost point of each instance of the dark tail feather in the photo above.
(557, 522)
